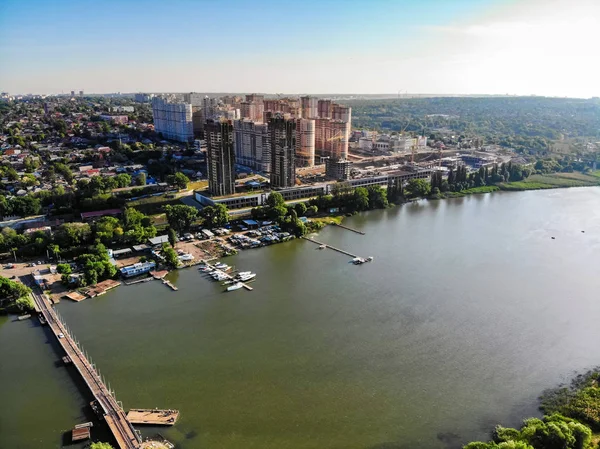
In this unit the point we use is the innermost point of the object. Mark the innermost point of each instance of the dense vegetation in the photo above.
(71, 238)
(14, 296)
(551, 432)
(527, 124)
(572, 415)
(581, 400)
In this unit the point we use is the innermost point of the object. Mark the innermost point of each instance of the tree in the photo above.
(178, 180)
(100, 446)
(170, 256)
(172, 237)
(69, 235)
(12, 290)
(215, 216)
(123, 180)
(418, 188)
(551, 432)
(140, 180)
(181, 217)
(360, 200)
(275, 199)
(300, 209)
(55, 250)
(64, 268)
(377, 197)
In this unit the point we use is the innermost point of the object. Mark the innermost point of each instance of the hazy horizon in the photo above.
(419, 48)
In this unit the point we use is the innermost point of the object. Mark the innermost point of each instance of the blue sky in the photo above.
(343, 46)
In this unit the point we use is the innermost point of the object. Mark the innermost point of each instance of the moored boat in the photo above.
(235, 286)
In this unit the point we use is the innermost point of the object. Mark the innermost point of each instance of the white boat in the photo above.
(244, 273)
(247, 277)
(235, 286)
(221, 265)
(322, 246)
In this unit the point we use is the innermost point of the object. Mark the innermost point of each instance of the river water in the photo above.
(468, 312)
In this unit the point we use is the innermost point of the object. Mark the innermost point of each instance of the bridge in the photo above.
(122, 430)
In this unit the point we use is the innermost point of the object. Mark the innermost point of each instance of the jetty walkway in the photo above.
(122, 430)
(330, 247)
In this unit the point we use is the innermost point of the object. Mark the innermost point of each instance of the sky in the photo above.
(517, 47)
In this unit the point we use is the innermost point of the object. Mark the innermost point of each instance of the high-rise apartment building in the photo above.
(324, 108)
(337, 169)
(286, 105)
(282, 132)
(252, 144)
(305, 142)
(253, 107)
(193, 98)
(332, 129)
(309, 106)
(143, 98)
(173, 119)
(220, 157)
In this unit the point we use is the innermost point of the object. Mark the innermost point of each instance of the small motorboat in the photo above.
(322, 246)
(235, 286)
(247, 277)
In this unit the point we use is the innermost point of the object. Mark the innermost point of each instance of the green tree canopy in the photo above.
(181, 217)
(215, 216)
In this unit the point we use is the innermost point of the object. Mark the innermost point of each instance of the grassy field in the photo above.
(152, 204)
(552, 181)
(198, 185)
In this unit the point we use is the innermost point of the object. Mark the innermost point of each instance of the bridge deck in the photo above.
(116, 419)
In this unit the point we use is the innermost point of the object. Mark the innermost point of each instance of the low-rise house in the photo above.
(138, 268)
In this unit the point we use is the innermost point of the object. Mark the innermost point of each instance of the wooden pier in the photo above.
(349, 229)
(153, 416)
(139, 281)
(170, 285)
(330, 247)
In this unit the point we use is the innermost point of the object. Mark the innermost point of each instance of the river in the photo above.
(468, 312)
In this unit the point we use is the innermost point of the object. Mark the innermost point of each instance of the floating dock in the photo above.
(152, 416)
(74, 296)
(349, 229)
(101, 288)
(168, 284)
(81, 432)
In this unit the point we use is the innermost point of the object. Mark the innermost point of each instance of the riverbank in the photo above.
(534, 182)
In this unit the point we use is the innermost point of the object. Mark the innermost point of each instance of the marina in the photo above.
(219, 275)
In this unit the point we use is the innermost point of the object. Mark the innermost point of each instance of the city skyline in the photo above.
(430, 47)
